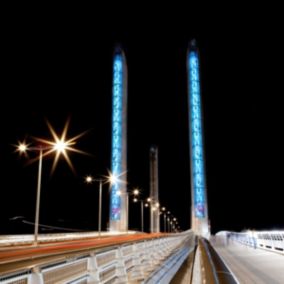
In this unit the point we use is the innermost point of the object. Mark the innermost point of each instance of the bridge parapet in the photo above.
(137, 262)
(268, 240)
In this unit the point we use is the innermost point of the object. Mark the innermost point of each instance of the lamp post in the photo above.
(89, 179)
(136, 192)
(168, 222)
(38, 196)
(164, 216)
(142, 216)
(147, 204)
(22, 148)
(100, 208)
(59, 145)
(127, 212)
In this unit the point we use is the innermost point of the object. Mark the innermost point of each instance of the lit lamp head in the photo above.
(136, 192)
(22, 147)
(60, 146)
(112, 179)
(89, 179)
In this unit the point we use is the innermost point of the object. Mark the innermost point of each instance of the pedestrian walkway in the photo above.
(252, 266)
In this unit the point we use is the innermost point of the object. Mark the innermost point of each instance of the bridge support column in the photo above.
(118, 209)
(199, 210)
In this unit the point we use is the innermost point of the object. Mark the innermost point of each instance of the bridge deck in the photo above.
(252, 265)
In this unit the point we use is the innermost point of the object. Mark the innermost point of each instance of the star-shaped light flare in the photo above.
(60, 146)
(115, 178)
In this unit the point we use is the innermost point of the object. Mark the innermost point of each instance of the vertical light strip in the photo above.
(197, 161)
(116, 156)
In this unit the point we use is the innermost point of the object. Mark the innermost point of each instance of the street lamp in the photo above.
(59, 146)
(90, 179)
(22, 148)
(136, 192)
(168, 222)
(164, 215)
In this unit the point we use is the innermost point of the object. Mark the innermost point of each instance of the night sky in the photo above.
(60, 70)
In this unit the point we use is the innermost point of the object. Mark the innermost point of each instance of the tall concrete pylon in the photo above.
(154, 191)
(199, 208)
(118, 196)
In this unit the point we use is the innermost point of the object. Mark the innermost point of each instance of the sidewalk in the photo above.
(252, 265)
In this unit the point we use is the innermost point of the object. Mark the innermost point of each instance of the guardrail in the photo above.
(167, 269)
(268, 240)
(125, 263)
(209, 267)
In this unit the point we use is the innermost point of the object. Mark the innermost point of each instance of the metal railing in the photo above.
(124, 263)
(168, 268)
(268, 240)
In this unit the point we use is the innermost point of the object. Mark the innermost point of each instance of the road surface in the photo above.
(253, 266)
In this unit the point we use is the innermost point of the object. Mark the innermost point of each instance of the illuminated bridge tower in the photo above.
(118, 196)
(154, 191)
(199, 209)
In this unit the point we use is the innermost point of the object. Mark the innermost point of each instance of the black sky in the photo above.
(55, 70)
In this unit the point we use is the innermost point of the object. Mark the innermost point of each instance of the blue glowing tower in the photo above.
(118, 196)
(199, 210)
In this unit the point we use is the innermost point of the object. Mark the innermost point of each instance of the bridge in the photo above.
(134, 257)
(123, 256)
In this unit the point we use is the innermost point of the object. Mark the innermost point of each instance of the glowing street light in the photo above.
(22, 148)
(136, 192)
(90, 179)
(164, 215)
(169, 227)
(59, 146)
